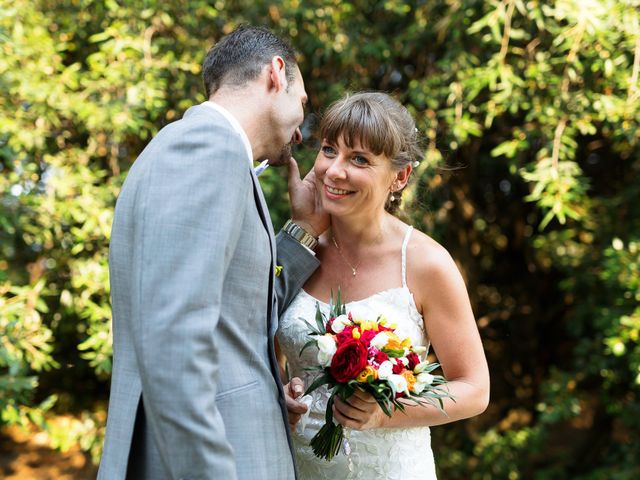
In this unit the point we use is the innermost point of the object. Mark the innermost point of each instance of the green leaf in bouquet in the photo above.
(431, 367)
(314, 330)
(399, 405)
(308, 344)
(320, 320)
(386, 405)
(318, 382)
(336, 309)
(393, 353)
(345, 390)
(439, 380)
(314, 368)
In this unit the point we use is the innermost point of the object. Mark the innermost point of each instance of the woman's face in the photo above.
(352, 180)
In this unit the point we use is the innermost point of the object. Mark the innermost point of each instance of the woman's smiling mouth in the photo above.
(337, 191)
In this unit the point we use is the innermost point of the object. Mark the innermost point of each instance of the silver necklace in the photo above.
(354, 270)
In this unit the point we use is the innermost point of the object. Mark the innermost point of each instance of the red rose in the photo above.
(414, 360)
(367, 336)
(380, 357)
(345, 335)
(398, 367)
(348, 361)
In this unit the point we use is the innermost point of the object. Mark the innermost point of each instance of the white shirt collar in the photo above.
(235, 124)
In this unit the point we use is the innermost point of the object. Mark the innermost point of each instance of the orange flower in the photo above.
(368, 371)
(394, 344)
(410, 378)
(393, 336)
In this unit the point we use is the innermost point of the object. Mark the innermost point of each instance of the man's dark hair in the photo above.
(240, 57)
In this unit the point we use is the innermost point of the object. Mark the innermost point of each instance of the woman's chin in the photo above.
(334, 210)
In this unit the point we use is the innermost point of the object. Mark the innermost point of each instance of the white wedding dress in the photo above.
(383, 453)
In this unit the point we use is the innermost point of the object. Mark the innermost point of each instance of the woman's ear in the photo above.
(402, 177)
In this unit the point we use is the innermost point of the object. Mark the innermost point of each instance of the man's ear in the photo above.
(277, 74)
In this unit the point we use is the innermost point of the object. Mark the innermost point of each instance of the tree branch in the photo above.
(633, 82)
(507, 30)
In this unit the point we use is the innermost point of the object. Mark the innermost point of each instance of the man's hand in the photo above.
(293, 390)
(306, 207)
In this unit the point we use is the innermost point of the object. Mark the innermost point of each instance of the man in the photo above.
(195, 391)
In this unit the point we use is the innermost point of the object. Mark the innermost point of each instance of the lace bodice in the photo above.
(385, 453)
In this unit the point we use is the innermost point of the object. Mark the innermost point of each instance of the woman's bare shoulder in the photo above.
(432, 275)
(427, 257)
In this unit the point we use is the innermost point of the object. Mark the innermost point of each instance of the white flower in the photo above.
(398, 382)
(420, 349)
(339, 323)
(425, 378)
(326, 349)
(420, 367)
(422, 381)
(385, 370)
(419, 387)
(380, 340)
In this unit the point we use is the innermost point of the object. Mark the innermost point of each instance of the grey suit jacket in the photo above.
(195, 392)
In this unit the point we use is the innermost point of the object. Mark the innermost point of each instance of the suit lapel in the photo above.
(261, 205)
(262, 208)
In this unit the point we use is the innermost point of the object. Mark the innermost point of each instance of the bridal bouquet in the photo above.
(369, 355)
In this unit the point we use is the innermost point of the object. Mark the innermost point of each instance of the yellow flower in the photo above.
(356, 333)
(369, 325)
(406, 343)
(278, 270)
(364, 375)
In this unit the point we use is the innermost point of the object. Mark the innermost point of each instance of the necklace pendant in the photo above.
(354, 271)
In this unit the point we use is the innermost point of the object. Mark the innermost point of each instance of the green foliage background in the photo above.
(530, 115)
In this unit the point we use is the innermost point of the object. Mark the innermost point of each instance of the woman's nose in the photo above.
(336, 168)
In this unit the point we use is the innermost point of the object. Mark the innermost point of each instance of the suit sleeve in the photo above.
(298, 263)
(189, 213)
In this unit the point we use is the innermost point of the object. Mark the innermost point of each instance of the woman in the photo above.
(381, 265)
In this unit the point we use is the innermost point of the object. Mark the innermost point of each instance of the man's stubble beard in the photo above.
(282, 158)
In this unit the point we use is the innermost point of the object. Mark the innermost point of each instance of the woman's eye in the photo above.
(360, 160)
(328, 151)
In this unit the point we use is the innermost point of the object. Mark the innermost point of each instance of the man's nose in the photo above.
(297, 137)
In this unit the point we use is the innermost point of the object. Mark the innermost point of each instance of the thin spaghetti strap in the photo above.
(404, 255)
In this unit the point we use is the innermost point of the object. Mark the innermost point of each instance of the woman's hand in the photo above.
(359, 412)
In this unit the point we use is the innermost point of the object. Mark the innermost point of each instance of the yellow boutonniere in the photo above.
(278, 270)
